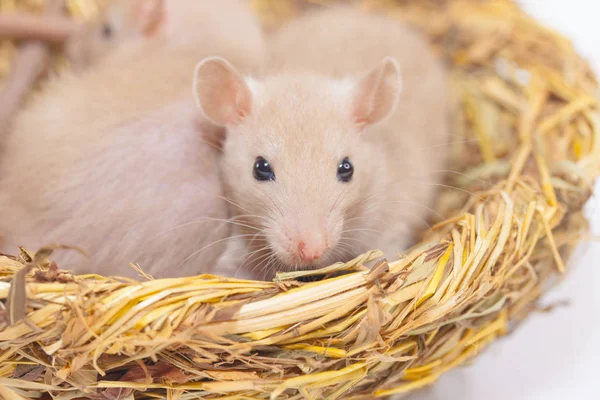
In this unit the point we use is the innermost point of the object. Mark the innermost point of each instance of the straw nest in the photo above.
(525, 153)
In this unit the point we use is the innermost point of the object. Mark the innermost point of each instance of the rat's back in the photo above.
(342, 40)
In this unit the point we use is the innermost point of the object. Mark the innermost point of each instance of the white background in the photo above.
(552, 356)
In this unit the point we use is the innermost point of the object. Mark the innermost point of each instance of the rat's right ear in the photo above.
(376, 94)
(221, 92)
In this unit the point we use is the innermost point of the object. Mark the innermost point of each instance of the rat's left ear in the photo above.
(149, 16)
(376, 94)
(221, 92)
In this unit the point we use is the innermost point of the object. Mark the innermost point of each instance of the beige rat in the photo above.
(328, 153)
(177, 23)
(111, 159)
(121, 21)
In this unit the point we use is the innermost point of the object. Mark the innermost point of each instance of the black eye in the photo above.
(107, 30)
(345, 170)
(262, 170)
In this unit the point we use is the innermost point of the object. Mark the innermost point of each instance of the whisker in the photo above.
(233, 203)
(274, 202)
(361, 230)
(453, 172)
(410, 216)
(448, 144)
(248, 257)
(271, 263)
(368, 217)
(262, 258)
(455, 188)
(208, 246)
(337, 201)
(207, 219)
(357, 240)
(409, 202)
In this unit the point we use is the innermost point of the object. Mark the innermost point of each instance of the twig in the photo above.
(49, 28)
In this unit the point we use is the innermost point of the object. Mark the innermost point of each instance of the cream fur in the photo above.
(302, 123)
(110, 160)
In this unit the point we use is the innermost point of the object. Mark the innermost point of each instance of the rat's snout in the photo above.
(309, 241)
(308, 251)
(304, 241)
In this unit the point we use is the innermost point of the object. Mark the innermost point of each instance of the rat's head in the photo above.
(295, 160)
(120, 21)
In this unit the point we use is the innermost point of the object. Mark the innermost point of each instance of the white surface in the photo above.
(552, 356)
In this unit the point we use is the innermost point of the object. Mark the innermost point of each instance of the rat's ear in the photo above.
(149, 15)
(221, 92)
(376, 94)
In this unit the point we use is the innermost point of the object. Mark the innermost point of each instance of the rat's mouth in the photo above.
(268, 264)
(298, 262)
(296, 249)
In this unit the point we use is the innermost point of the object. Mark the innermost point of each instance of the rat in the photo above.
(123, 24)
(118, 22)
(327, 152)
(113, 159)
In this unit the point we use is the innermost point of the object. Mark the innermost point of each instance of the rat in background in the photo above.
(126, 24)
(112, 159)
(119, 22)
(325, 156)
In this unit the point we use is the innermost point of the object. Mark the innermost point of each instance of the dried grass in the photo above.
(526, 149)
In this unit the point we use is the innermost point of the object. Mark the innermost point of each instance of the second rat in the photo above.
(112, 159)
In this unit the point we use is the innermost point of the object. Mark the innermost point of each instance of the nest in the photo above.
(525, 152)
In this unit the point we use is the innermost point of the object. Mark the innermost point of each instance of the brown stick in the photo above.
(28, 27)
(29, 63)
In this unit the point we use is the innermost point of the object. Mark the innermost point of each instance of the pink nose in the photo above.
(308, 253)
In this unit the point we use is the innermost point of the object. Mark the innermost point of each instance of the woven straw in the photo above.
(525, 152)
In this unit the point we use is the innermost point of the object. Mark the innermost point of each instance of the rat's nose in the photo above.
(310, 252)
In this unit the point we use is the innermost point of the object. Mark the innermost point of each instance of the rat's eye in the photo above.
(262, 170)
(345, 170)
(107, 30)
